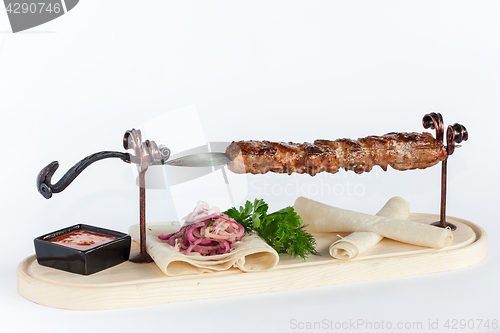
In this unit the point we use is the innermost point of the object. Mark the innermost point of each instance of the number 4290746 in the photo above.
(40, 7)
(455, 324)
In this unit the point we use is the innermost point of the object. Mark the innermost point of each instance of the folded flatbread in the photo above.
(251, 254)
(358, 242)
(324, 218)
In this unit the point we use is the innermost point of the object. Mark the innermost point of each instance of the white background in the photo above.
(275, 70)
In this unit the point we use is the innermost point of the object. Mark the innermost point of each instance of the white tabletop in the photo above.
(279, 71)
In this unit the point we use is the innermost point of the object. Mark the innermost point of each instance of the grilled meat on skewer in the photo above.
(402, 151)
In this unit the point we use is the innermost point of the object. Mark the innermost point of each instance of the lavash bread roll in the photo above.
(250, 254)
(358, 242)
(324, 218)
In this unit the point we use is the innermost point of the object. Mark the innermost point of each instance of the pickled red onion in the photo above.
(210, 232)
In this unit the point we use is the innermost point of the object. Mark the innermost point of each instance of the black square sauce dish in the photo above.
(82, 249)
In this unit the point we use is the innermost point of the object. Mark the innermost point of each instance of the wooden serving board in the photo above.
(129, 284)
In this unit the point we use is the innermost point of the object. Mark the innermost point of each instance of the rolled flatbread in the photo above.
(250, 254)
(358, 242)
(324, 218)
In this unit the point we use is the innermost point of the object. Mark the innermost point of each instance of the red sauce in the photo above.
(82, 239)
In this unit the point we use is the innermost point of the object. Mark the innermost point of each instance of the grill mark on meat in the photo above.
(402, 151)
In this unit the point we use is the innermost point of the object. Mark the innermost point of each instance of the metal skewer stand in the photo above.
(455, 133)
(146, 153)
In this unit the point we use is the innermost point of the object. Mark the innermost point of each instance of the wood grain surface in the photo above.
(129, 284)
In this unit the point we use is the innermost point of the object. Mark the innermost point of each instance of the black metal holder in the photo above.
(146, 153)
(44, 178)
(454, 134)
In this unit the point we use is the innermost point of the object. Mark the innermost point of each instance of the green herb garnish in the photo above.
(282, 230)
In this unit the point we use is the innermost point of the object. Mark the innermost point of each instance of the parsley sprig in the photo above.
(282, 230)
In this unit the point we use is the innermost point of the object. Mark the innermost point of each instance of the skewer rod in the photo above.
(442, 214)
(142, 256)
(142, 210)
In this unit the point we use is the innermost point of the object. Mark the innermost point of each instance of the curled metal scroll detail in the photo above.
(434, 121)
(147, 152)
(455, 133)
